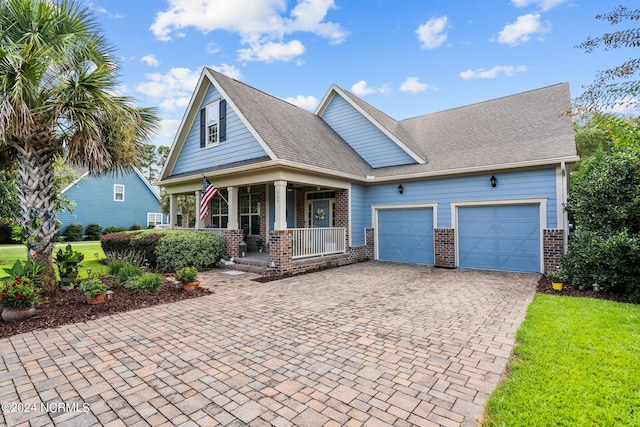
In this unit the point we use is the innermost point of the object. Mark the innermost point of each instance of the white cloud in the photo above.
(361, 89)
(521, 31)
(174, 88)
(213, 48)
(432, 33)
(168, 128)
(261, 24)
(543, 4)
(271, 51)
(412, 84)
(480, 73)
(306, 102)
(228, 70)
(150, 60)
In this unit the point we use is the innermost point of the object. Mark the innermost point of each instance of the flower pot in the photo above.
(557, 286)
(192, 286)
(10, 314)
(98, 299)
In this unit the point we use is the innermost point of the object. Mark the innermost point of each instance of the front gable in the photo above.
(378, 147)
(236, 141)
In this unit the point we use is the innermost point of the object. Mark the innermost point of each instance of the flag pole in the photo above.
(219, 192)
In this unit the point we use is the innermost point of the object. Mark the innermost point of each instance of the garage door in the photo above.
(405, 235)
(499, 237)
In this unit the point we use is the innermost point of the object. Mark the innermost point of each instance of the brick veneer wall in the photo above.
(231, 239)
(552, 247)
(342, 212)
(445, 247)
(280, 251)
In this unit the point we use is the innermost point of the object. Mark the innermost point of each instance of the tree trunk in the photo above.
(37, 200)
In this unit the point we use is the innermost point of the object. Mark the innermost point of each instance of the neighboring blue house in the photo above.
(480, 186)
(113, 200)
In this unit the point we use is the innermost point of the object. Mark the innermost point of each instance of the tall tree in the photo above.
(618, 86)
(58, 98)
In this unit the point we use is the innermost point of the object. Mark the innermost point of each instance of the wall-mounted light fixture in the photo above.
(494, 181)
(400, 189)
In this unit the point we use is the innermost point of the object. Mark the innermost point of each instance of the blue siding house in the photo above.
(114, 200)
(479, 186)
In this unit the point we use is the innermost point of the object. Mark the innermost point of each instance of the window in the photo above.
(154, 218)
(250, 213)
(213, 111)
(118, 192)
(219, 213)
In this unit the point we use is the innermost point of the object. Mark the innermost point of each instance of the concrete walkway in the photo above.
(368, 344)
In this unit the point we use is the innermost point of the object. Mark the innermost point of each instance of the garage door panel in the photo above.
(405, 235)
(499, 237)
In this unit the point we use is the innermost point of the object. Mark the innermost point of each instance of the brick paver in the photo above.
(368, 344)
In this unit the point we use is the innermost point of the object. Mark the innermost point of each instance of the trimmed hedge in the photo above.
(165, 250)
(93, 231)
(179, 249)
(113, 229)
(73, 233)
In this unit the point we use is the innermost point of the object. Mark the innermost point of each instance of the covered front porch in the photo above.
(294, 223)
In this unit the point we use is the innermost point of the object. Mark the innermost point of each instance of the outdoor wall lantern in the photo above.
(494, 181)
(400, 189)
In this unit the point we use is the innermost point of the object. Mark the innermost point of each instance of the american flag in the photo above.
(208, 193)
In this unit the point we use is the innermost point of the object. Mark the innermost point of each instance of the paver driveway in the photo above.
(368, 344)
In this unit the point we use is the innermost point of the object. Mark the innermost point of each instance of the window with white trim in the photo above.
(213, 119)
(250, 213)
(154, 218)
(219, 213)
(118, 192)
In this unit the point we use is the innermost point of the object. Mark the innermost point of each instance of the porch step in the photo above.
(247, 265)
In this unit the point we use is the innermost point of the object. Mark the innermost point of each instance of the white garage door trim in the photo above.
(542, 210)
(376, 208)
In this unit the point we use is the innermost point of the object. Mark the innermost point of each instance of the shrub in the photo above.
(145, 243)
(118, 247)
(93, 287)
(179, 249)
(73, 233)
(135, 226)
(93, 231)
(124, 272)
(6, 233)
(113, 229)
(145, 283)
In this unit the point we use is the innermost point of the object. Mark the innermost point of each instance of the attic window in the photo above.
(213, 115)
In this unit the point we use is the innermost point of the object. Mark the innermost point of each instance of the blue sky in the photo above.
(406, 58)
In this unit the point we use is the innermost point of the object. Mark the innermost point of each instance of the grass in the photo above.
(576, 364)
(92, 253)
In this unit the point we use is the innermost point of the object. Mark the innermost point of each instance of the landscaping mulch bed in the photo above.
(544, 287)
(67, 307)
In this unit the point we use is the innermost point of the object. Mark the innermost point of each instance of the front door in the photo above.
(320, 213)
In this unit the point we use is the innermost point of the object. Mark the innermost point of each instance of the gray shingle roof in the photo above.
(521, 128)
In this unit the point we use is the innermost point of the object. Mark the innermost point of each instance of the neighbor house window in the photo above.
(250, 213)
(118, 192)
(219, 213)
(154, 218)
(213, 119)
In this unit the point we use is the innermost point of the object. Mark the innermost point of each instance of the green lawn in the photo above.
(577, 364)
(91, 250)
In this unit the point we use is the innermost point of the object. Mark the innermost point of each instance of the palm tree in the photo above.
(58, 99)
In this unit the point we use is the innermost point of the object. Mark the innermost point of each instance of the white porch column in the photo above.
(173, 210)
(280, 222)
(198, 194)
(232, 198)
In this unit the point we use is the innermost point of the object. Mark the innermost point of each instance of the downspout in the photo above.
(565, 214)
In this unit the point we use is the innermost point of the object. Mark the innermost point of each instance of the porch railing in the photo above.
(218, 231)
(309, 242)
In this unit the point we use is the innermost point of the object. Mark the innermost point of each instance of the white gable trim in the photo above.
(146, 182)
(206, 78)
(244, 120)
(336, 90)
(64, 190)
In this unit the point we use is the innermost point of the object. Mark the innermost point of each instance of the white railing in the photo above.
(309, 242)
(218, 231)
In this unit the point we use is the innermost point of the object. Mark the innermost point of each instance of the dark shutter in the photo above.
(222, 122)
(203, 128)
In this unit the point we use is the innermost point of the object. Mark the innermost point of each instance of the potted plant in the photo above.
(68, 262)
(557, 278)
(187, 276)
(94, 289)
(260, 245)
(18, 297)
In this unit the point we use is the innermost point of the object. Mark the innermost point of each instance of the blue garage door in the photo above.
(406, 235)
(500, 237)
